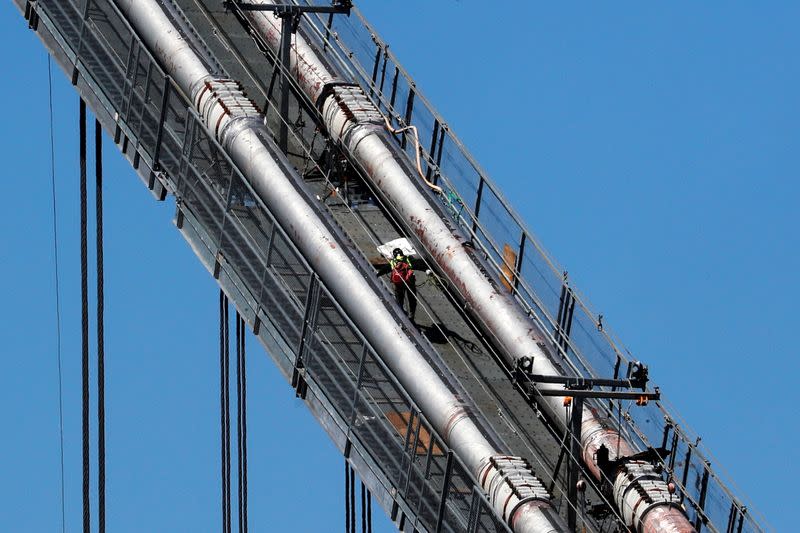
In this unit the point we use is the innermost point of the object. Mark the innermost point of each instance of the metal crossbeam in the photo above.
(618, 395)
(338, 6)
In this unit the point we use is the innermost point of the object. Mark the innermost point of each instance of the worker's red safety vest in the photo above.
(401, 270)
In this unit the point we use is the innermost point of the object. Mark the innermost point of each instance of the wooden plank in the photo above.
(400, 422)
(509, 264)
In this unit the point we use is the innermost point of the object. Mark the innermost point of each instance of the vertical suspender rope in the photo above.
(239, 417)
(366, 509)
(350, 517)
(101, 408)
(222, 401)
(369, 511)
(222, 404)
(241, 421)
(244, 431)
(352, 500)
(363, 508)
(58, 290)
(84, 321)
(224, 407)
(346, 497)
(227, 420)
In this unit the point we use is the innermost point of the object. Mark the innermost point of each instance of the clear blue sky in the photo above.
(653, 149)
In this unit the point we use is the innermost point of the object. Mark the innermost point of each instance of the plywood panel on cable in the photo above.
(509, 266)
(401, 421)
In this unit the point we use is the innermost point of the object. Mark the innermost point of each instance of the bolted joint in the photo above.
(524, 364)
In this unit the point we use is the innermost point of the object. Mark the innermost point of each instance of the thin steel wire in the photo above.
(58, 289)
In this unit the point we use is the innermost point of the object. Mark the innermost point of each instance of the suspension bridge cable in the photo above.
(84, 320)
(363, 507)
(346, 496)
(244, 429)
(352, 500)
(241, 423)
(239, 419)
(224, 363)
(222, 402)
(58, 289)
(369, 511)
(227, 417)
(101, 407)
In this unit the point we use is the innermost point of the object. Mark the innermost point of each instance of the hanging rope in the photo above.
(241, 422)
(366, 509)
(346, 497)
(101, 395)
(363, 507)
(350, 517)
(224, 406)
(352, 500)
(84, 320)
(58, 288)
(369, 511)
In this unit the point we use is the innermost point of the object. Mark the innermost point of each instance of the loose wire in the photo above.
(58, 288)
(417, 149)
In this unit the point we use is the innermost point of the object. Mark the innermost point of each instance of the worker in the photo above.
(404, 281)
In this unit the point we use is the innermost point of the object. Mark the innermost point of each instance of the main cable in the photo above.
(101, 395)
(84, 319)
(58, 290)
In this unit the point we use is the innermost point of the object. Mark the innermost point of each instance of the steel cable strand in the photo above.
(84, 319)
(241, 427)
(239, 422)
(363, 507)
(346, 497)
(101, 409)
(369, 511)
(227, 418)
(223, 413)
(221, 410)
(353, 519)
(244, 428)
